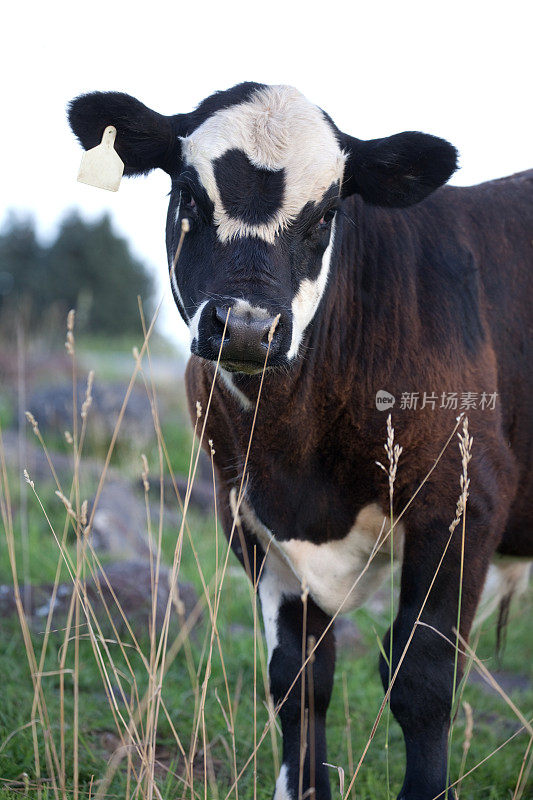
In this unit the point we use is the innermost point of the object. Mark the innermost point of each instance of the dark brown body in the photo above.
(434, 298)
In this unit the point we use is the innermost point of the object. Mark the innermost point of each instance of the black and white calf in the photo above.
(378, 280)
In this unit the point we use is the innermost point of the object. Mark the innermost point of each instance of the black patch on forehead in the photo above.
(248, 193)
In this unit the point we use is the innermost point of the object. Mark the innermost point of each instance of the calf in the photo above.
(347, 265)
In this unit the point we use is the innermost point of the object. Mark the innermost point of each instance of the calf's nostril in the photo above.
(276, 333)
(219, 316)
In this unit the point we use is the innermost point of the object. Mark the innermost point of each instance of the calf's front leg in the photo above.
(421, 696)
(290, 621)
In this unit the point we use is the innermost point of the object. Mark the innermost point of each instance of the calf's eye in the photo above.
(326, 219)
(188, 202)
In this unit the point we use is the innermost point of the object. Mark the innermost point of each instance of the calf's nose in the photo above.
(246, 337)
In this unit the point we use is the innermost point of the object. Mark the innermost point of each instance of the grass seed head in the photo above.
(33, 422)
(69, 343)
(28, 479)
(68, 505)
(88, 395)
(144, 473)
(83, 513)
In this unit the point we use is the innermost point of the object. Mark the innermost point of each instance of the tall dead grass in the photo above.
(136, 713)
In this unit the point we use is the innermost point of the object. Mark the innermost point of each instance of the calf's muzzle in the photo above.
(245, 338)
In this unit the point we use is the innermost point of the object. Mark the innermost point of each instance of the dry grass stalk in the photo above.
(348, 726)
(68, 502)
(303, 711)
(69, 342)
(217, 595)
(484, 760)
(465, 449)
(467, 741)
(88, 395)
(491, 680)
(338, 611)
(341, 775)
(51, 758)
(394, 452)
(523, 775)
(465, 442)
(138, 732)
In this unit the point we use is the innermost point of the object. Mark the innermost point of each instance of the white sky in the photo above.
(460, 70)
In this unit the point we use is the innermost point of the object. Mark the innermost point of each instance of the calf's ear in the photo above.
(145, 139)
(397, 171)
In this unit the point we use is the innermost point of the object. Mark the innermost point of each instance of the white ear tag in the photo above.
(101, 166)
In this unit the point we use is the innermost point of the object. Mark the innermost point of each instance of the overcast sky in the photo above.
(460, 70)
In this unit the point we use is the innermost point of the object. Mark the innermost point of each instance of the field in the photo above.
(120, 688)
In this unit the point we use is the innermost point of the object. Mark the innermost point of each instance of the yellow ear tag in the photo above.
(102, 166)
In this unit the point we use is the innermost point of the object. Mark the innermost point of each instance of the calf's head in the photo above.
(260, 174)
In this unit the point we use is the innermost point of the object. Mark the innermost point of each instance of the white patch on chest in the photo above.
(227, 379)
(342, 574)
(307, 299)
(277, 128)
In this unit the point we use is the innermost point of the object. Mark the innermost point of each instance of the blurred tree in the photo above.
(21, 258)
(87, 267)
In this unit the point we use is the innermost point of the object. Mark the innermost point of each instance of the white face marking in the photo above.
(330, 570)
(307, 299)
(173, 280)
(241, 308)
(277, 128)
(177, 214)
(193, 323)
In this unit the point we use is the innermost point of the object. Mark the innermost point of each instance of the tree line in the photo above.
(86, 266)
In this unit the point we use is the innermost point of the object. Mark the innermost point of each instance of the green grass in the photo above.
(493, 720)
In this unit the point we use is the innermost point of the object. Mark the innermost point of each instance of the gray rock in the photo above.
(130, 583)
(34, 459)
(119, 527)
(201, 498)
(52, 408)
(508, 681)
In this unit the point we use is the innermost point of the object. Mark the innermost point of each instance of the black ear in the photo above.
(399, 170)
(145, 139)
